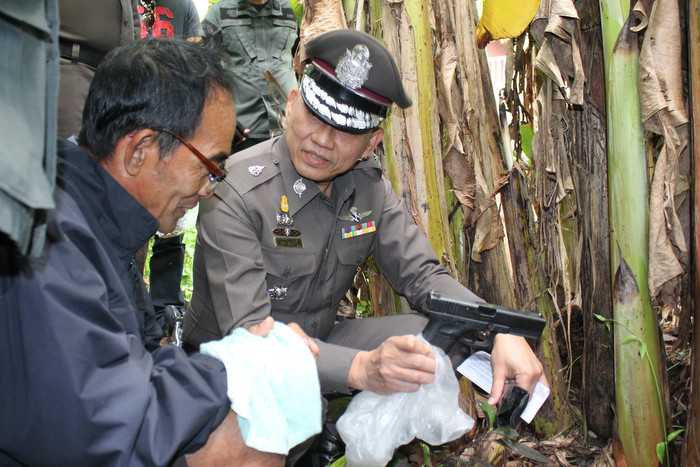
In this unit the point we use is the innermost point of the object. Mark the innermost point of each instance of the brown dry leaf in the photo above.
(489, 229)
(663, 113)
(561, 458)
(490, 449)
(460, 169)
(640, 16)
(558, 442)
(556, 29)
(464, 199)
(447, 68)
(605, 458)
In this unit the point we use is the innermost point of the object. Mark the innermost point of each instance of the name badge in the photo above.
(358, 229)
(288, 242)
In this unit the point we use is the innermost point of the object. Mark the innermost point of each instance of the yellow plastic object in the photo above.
(504, 18)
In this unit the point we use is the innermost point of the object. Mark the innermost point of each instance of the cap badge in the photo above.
(299, 187)
(255, 170)
(353, 68)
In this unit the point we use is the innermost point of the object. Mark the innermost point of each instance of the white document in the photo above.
(477, 368)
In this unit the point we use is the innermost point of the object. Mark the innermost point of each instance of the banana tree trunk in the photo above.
(590, 172)
(638, 369)
(412, 139)
(692, 443)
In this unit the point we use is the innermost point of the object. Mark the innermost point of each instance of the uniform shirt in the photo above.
(173, 19)
(78, 387)
(256, 40)
(244, 271)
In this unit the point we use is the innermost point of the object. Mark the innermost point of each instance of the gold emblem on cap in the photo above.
(353, 68)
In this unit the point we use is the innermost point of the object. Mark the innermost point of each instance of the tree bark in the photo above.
(692, 443)
(589, 159)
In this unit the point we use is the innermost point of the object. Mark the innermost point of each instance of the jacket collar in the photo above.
(125, 223)
(343, 185)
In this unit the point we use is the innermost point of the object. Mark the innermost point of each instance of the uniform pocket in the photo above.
(351, 253)
(284, 33)
(238, 39)
(354, 250)
(289, 276)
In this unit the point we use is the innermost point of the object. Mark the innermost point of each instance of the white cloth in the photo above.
(273, 387)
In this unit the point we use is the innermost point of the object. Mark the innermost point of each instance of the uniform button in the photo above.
(275, 162)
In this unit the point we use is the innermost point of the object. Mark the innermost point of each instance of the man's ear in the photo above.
(291, 97)
(375, 139)
(136, 150)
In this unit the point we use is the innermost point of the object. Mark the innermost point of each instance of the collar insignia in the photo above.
(299, 187)
(355, 215)
(255, 170)
(353, 69)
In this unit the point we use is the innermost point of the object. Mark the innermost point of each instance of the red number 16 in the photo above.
(161, 27)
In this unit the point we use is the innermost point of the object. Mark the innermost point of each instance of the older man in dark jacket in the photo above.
(77, 386)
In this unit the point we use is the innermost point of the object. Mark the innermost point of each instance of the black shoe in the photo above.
(326, 448)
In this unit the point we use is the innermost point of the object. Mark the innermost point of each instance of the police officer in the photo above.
(257, 36)
(304, 210)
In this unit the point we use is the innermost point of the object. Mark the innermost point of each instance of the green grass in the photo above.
(186, 282)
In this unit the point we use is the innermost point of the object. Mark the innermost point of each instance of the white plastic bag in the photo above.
(374, 425)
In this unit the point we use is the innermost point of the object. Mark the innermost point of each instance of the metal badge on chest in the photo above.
(285, 235)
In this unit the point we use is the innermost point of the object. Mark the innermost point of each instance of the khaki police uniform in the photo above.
(248, 267)
(256, 40)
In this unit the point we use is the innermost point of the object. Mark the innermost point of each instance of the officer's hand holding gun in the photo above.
(459, 327)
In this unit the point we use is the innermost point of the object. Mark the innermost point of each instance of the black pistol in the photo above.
(460, 327)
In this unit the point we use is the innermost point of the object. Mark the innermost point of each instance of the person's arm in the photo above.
(86, 389)
(407, 260)
(192, 27)
(211, 27)
(229, 268)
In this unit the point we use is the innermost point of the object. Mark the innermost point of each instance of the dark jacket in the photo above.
(77, 386)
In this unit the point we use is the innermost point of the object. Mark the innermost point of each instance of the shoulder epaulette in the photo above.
(252, 167)
(371, 165)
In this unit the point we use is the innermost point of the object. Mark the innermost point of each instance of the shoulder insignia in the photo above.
(250, 168)
(255, 170)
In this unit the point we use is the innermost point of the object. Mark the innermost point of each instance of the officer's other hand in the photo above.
(310, 343)
(400, 364)
(262, 328)
(512, 358)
